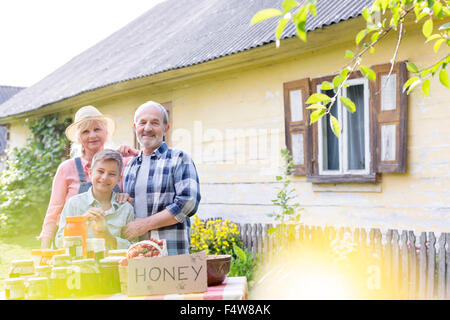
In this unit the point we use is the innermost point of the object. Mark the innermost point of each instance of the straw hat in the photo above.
(89, 113)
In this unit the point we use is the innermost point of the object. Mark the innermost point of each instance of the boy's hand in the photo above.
(94, 214)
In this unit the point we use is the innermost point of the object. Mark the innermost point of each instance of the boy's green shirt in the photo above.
(116, 218)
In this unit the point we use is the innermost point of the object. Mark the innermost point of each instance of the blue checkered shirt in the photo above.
(173, 185)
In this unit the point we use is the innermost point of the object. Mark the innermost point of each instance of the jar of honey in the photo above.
(21, 268)
(37, 288)
(77, 226)
(14, 288)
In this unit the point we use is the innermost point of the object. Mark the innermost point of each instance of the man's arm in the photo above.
(140, 226)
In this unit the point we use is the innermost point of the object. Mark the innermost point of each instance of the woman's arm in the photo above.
(55, 206)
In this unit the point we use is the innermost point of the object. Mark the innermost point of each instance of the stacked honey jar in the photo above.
(67, 273)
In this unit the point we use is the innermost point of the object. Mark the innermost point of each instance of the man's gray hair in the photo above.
(154, 104)
(108, 154)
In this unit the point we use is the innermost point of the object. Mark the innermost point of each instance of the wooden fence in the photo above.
(416, 266)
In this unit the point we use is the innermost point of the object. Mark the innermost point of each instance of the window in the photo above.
(372, 140)
(4, 139)
(350, 154)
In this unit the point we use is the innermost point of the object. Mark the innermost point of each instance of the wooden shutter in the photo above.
(296, 118)
(388, 104)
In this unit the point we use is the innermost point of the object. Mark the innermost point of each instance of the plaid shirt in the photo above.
(173, 185)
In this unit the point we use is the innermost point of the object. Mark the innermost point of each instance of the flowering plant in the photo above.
(214, 236)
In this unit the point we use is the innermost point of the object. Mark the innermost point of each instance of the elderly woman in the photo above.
(90, 131)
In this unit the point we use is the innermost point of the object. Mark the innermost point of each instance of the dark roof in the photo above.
(172, 35)
(6, 92)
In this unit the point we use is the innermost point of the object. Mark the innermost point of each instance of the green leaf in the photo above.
(349, 54)
(288, 5)
(424, 72)
(443, 78)
(426, 87)
(409, 82)
(318, 97)
(412, 67)
(367, 15)
(348, 104)
(435, 67)
(337, 80)
(326, 85)
(312, 9)
(239, 253)
(375, 37)
(281, 25)
(427, 28)
(335, 127)
(445, 26)
(360, 36)
(368, 73)
(433, 36)
(301, 30)
(264, 15)
(437, 44)
(316, 115)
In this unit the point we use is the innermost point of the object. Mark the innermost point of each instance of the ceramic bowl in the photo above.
(217, 267)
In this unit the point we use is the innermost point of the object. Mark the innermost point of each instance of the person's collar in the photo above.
(157, 153)
(92, 201)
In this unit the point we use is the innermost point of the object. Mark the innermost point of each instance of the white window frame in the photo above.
(343, 144)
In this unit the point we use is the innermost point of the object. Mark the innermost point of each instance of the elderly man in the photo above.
(162, 181)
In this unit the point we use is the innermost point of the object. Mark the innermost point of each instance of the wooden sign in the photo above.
(184, 273)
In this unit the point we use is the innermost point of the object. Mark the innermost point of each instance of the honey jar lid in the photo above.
(23, 263)
(13, 281)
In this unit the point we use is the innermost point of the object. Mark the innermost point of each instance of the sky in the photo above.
(39, 36)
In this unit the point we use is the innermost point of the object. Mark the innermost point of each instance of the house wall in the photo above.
(232, 124)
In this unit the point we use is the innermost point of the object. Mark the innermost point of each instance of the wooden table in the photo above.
(233, 288)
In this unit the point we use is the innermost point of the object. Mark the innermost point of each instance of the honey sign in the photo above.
(185, 273)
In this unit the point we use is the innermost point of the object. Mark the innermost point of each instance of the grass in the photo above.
(14, 248)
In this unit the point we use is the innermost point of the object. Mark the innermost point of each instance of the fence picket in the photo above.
(431, 265)
(422, 266)
(447, 240)
(413, 265)
(388, 255)
(441, 268)
(405, 268)
(395, 261)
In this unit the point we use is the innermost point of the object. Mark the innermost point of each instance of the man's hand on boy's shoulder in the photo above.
(124, 197)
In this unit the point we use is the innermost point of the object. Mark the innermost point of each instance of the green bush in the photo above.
(26, 182)
(242, 264)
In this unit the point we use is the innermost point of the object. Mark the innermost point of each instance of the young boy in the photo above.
(106, 217)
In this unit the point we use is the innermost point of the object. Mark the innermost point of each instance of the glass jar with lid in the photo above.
(74, 246)
(77, 226)
(37, 288)
(110, 277)
(43, 271)
(21, 268)
(88, 276)
(14, 288)
(58, 282)
(61, 260)
(95, 248)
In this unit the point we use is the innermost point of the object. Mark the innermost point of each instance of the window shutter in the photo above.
(296, 124)
(388, 105)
